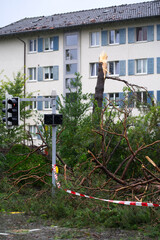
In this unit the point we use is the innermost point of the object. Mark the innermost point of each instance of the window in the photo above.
(48, 73)
(141, 66)
(32, 73)
(32, 45)
(71, 60)
(114, 68)
(94, 39)
(69, 82)
(33, 105)
(114, 98)
(48, 44)
(47, 104)
(71, 54)
(71, 68)
(137, 99)
(141, 34)
(94, 69)
(71, 40)
(141, 97)
(33, 131)
(114, 37)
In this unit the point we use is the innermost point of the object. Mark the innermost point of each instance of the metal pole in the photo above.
(54, 128)
(53, 102)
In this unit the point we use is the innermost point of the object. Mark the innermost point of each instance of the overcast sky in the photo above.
(14, 10)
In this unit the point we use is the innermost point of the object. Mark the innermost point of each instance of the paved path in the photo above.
(22, 227)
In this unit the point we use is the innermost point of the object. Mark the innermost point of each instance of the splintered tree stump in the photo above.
(99, 89)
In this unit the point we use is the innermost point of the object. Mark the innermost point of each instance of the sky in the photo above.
(14, 10)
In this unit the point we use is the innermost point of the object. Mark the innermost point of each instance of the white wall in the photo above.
(120, 52)
(44, 59)
(11, 57)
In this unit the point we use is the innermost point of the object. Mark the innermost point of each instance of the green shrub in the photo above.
(21, 154)
(3, 164)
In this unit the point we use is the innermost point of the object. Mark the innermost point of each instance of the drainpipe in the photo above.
(24, 93)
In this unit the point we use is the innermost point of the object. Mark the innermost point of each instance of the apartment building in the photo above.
(49, 50)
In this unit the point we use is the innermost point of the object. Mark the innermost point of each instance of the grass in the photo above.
(72, 211)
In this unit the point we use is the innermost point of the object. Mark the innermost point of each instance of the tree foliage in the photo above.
(107, 153)
(75, 136)
(15, 88)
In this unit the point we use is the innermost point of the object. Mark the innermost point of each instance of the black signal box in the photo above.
(53, 119)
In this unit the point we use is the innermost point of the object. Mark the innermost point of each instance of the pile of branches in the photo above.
(124, 186)
(19, 177)
(146, 186)
(121, 182)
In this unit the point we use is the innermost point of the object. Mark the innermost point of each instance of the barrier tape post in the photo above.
(129, 203)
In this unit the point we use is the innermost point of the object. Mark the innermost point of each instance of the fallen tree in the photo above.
(119, 160)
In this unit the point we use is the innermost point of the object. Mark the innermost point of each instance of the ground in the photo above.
(18, 226)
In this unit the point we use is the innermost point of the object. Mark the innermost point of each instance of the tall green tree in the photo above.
(15, 88)
(74, 138)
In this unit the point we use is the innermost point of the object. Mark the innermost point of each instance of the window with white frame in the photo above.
(48, 73)
(71, 57)
(48, 44)
(114, 99)
(71, 40)
(94, 39)
(141, 66)
(32, 45)
(47, 104)
(32, 73)
(33, 131)
(141, 34)
(94, 69)
(71, 68)
(114, 37)
(33, 105)
(141, 98)
(137, 99)
(71, 54)
(114, 68)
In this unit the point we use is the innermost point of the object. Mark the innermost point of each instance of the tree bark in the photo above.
(99, 89)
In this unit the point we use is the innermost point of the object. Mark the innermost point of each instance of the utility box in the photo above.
(53, 119)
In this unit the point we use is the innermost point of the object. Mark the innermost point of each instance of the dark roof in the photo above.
(86, 17)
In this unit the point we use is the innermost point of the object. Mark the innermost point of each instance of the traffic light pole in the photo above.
(54, 121)
(52, 100)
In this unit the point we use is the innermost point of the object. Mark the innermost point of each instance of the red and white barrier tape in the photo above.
(130, 203)
(141, 204)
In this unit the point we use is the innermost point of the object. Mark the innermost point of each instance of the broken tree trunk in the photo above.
(99, 89)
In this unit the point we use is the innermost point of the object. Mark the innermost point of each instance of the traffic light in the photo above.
(13, 110)
(53, 119)
(58, 119)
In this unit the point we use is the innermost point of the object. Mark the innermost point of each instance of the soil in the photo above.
(18, 226)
